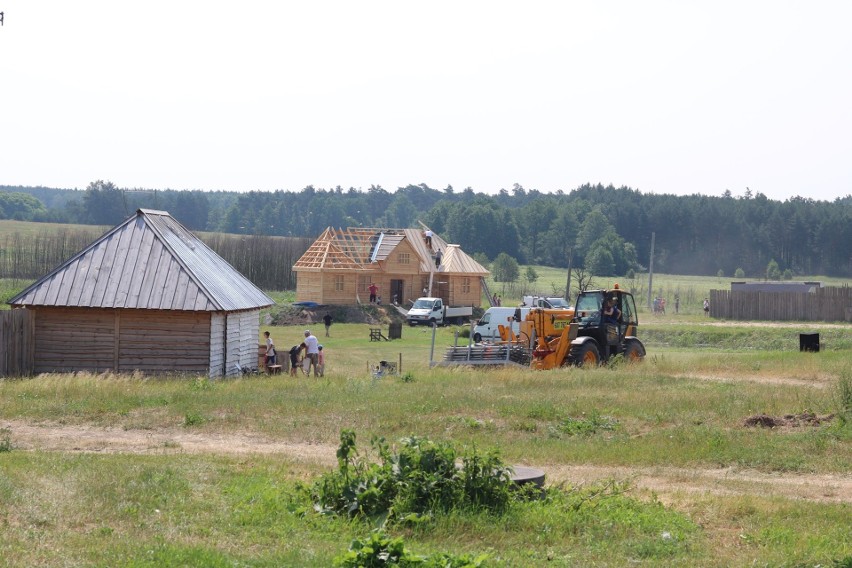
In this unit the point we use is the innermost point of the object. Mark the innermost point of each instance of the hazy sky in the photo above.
(665, 97)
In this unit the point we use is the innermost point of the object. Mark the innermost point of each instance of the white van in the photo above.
(486, 328)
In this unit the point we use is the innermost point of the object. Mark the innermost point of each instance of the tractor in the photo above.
(591, 336)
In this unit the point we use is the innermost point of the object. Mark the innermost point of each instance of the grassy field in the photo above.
(650, 464)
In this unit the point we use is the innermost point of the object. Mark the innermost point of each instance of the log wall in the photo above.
(98, 340)
(163, 341)
(824, 304)
(17, 342)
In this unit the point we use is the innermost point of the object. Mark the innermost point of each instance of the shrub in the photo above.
(380, 550)
(193, 419)
(5, 440)
(421, 478)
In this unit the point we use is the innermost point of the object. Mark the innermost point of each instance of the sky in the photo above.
(664, 97)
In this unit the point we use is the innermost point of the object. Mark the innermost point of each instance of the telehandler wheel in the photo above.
(586, 354)
(477, 338)
(634, 351)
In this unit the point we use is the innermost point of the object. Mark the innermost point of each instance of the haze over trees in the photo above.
(606, 229)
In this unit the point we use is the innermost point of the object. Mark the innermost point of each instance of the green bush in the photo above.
(193, 419)
(5, 440)
(420, 479)
(380, 550)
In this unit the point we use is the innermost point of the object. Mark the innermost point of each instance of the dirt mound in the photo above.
(786, 421)
(301, 316)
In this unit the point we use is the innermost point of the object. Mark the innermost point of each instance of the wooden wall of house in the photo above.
(339, 287)
(465, 291)
(243, 329)
(154, 341)
(217, 344)
(163, 341)
(395, 262)
(309, 287)
(73, 339)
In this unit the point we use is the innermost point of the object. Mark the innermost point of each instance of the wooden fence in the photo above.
(17, 343)
(824, 304)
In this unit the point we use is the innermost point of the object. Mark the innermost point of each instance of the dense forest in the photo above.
(606, 229)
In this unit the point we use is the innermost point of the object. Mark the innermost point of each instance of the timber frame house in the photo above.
(340, 265)
(146, 296)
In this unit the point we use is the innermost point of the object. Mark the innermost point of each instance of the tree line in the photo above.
(603, 228)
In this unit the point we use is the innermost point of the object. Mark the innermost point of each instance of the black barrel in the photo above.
(809, 342)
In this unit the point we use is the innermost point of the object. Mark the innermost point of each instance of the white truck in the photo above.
(433, 311)
(545, 302)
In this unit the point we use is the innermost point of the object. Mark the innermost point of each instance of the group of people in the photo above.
(313, 356)
(496, 300)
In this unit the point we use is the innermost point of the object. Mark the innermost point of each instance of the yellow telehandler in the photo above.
(602, 325)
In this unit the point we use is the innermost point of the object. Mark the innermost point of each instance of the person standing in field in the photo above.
(706, 307)
(270, 350)
(326, 319)
(321, 361)
(294, 360)
(311, 347)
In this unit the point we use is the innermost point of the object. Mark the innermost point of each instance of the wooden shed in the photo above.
(340, 265)
(148, 295)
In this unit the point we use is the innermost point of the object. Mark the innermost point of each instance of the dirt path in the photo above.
(669, 483)
(819, 382)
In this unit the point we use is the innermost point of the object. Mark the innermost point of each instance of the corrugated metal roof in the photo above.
(150, 261)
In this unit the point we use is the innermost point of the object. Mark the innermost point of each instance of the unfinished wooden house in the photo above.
(146, 296)
(340, 265)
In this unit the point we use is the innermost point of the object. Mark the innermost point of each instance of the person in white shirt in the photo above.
(311, 347)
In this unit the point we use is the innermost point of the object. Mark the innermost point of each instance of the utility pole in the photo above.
(651, 269)
(568, 283)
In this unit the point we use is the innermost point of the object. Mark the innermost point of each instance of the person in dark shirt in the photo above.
(326, 319)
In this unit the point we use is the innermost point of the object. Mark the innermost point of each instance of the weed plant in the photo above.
(5, 440)
(420, 478)
(381, 550)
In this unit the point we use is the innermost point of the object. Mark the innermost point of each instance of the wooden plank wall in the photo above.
(152, 341)
(74, 339)
(17, 343)
(217, 344)
(243, 330)
(825, 304)
(161, 341)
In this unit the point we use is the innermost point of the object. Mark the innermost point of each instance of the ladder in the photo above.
(487, 291)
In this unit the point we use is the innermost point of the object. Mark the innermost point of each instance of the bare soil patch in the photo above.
(816, 382)
(670, 484)
(787, 421)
